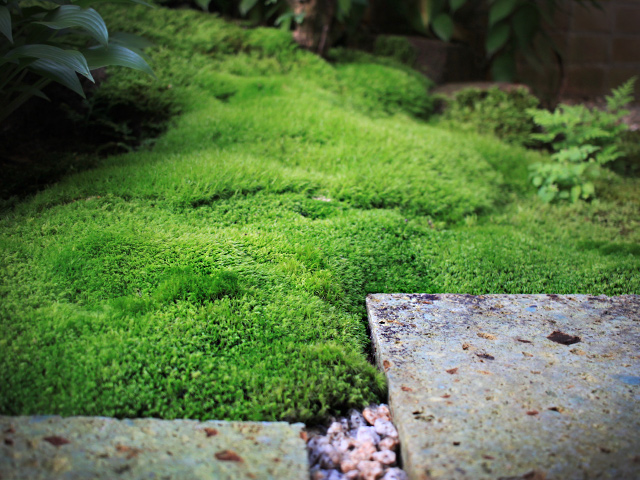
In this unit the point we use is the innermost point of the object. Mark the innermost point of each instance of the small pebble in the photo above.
(384, 412)
(385, 457)
(370, 470)
(347, 444)
(329, 457)
(389, 443)
(335, 475)
(395, 474)
(368, 434)
(373, 413)
(352, 475)
(369, 415)
(385, 428)
(317, 474)
(356, 420)
(316, 448)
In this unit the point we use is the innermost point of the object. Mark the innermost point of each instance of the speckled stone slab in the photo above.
(76, 448)
(512, 386)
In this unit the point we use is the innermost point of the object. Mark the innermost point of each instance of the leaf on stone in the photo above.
(228, 456)
(452, 371)
(488, 336)
(563, 338)
(211, 432)
(485, 356)
(130, 451)
(56, 441)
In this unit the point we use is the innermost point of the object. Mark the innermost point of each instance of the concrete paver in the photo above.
(512, 386)
(78, 448)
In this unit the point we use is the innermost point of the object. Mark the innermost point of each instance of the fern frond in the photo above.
(622, 96)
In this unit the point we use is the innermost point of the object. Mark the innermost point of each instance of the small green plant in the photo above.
(495, 111)
(54, 41)
(583, 140)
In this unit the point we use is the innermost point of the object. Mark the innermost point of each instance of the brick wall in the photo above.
(600, 48)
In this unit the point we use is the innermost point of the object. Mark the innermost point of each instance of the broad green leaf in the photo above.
(503, 67)
(443, 26)
(35, 93)
(65, 58)
(526, 23)
(497, 38)
(58, 73)
(246, 5)
(500, 10)
(133, 42)
(73, 16)
(456, 4)
(5, 22)
(116, 55)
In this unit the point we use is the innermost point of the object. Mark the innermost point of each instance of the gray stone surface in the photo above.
(51, 447)
(478, 391)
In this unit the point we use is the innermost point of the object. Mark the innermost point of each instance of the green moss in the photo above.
(222, 273)
(396, 47)
(494, 111)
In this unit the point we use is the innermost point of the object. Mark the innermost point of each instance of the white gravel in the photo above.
(362, 446)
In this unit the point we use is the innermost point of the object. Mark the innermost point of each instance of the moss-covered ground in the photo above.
(222, 273)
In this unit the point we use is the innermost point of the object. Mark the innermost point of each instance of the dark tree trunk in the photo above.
(315, 31)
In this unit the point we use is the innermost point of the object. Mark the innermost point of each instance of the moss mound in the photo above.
(222, 272)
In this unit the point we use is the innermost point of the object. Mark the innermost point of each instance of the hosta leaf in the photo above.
(71, 59)
(58, 73)
(116, 55)
(246, 5)
(73, 16)
(5, 22)
(443, 26)
(133, 42)
(32, 91)
(497, 38)
(500, 10)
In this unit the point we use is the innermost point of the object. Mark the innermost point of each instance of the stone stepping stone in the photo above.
(78, 448)
(512, 386)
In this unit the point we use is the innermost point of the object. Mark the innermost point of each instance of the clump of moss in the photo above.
(382, 85)
(494, 111)
(397, 47)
